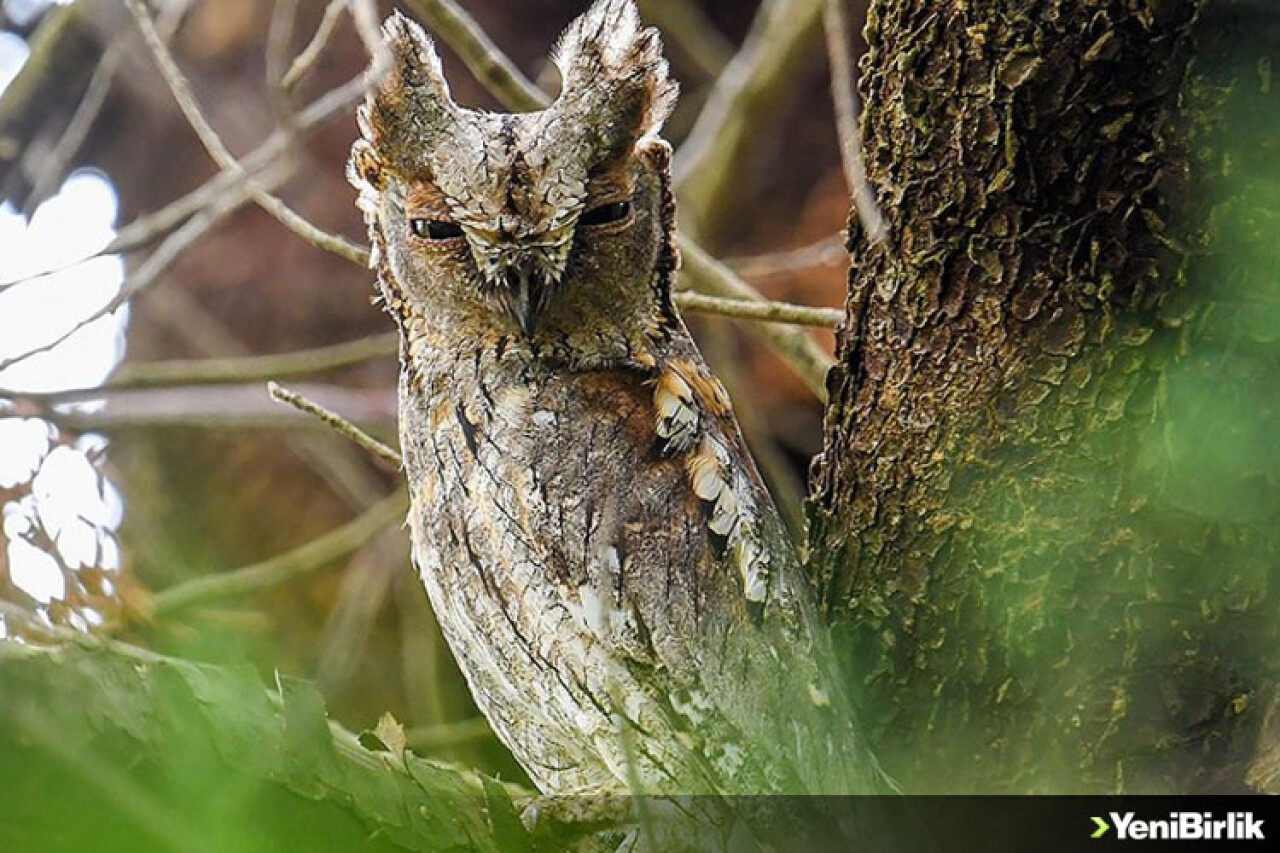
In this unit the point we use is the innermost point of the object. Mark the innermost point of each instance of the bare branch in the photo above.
(688, 28)
(225, 371)
(828, 251)
(284, 14)
(181, 90)
(365, 15)
(755, 80)
(794, 346)
(761, 311)
(835, 22)
(304, 61)
(490, 65)
(314, 555)
(266, 164)
(146, 275)
(424, 738)
(335, 421)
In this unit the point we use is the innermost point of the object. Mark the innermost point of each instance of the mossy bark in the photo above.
(1045, 515)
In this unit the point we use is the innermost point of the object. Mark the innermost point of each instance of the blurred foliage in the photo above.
(174, 755)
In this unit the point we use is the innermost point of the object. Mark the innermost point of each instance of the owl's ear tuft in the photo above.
(364, 167)
(409, 106)
(612, 65)
(415, 63)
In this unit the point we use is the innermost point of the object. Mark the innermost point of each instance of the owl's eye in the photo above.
(435, 229)
(614, 211)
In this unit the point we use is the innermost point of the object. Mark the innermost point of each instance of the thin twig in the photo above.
(835, 22)
(828, 251)
(686, 26)
(765, 312)
(491, 67)
(304, 61)
(335, 421)
(95, 95)
(265, 163)
(146, 275)
(800, 351)
(284, 14)
(708, 165)
(227, 161)
(316, 554)
(448, 734)
(365, 15)
(225, 371)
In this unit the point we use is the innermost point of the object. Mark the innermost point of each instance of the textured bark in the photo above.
(1045, 511)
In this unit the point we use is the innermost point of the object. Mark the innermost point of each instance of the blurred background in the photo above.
(115, 504)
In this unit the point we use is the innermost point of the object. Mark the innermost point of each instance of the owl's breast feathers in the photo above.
(614, 579)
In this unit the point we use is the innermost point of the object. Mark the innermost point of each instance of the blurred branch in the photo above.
(304, 61)
(61, 58)
(365, 15)
(216, 371)
(280, 27)
(826, 252)
(741, 107)
(316, 554)
(491, 67)
(762, 311)
(226, 371)
(238, 407)
(265, 163)
(342, 466)
(794, 346)
(835, 21)
(227, 161)
(91, 103)
(690, 31)
(202, 209)
(444, 735)
(335, 421)
(78, 128)
(147, 274)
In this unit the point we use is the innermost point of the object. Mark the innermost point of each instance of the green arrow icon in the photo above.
(1102, 828)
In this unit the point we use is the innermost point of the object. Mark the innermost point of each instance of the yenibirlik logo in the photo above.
(1182, 826)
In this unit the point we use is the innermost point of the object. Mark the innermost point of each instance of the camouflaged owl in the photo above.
(596, 542)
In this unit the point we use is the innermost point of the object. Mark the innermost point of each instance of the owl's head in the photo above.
(545, 225)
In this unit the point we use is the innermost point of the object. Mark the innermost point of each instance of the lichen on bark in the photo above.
(1043, 515)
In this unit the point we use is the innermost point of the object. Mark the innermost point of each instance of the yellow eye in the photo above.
(435, 229)
(614, 211)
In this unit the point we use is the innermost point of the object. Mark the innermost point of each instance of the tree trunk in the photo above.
(1045, 516)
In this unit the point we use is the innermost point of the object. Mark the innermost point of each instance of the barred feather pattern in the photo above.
(600, 551)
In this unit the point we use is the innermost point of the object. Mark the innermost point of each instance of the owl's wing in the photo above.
(673, 558)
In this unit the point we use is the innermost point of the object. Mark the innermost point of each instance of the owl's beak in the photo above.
(526, 295)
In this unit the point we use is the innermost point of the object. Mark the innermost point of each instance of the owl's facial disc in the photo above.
(533, 215)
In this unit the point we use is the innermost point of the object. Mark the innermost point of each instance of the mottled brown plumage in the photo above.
(603, 559)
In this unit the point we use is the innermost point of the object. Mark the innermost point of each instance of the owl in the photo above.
(596, 542)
